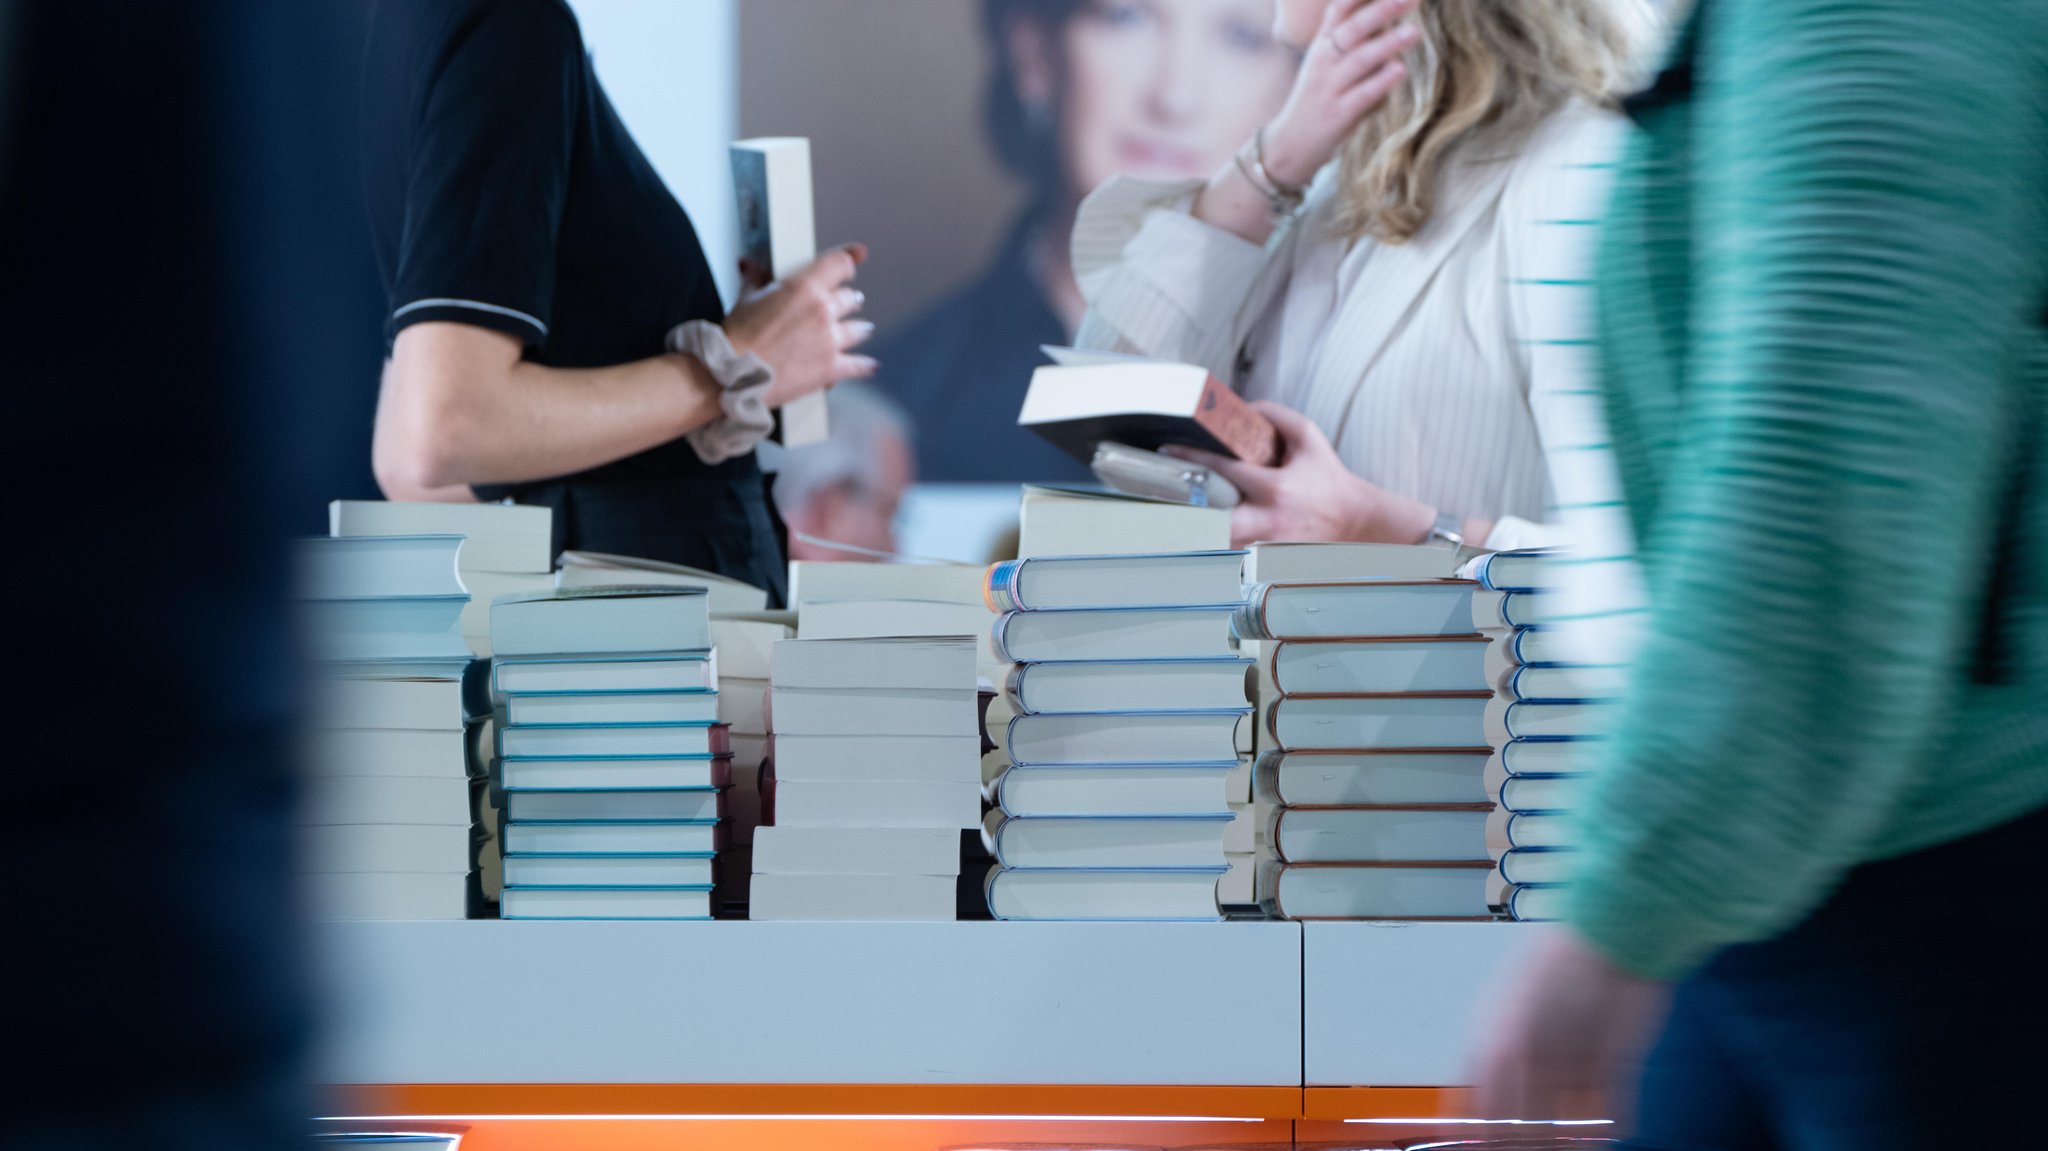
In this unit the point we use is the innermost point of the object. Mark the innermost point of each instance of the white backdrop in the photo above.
(671, 67)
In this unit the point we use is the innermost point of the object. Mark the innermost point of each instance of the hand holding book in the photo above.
(1309, 494)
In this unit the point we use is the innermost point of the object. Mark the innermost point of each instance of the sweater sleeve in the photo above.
(1817, 560)
(1158, 281)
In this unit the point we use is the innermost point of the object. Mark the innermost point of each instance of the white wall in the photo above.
(672, 69)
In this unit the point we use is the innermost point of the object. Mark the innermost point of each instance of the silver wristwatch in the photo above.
(1446, 530)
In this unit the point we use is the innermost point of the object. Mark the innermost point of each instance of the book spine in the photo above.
(1495, 572)
(1249, 620)
(999, 588)
(1250, 436)
(1013, 688)
(998, 638)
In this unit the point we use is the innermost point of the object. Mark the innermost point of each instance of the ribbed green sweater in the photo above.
(1821, 295)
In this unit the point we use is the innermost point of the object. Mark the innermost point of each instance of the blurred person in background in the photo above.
(1806, 915)
(1079, 90)
(1374, 265)
(556, 337)
(848, 489)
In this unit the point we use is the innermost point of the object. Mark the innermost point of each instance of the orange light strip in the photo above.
(1423, 1103)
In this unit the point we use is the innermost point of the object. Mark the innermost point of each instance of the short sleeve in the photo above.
(487, 171)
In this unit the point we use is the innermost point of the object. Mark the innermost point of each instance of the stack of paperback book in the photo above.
(1131, 713)
(836, 600)
(610, 755)
(1375, 746)
(508, 548)
(875, 775)
(389, 811)
(1547, 712)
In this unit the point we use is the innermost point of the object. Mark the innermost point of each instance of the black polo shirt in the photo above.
(505, 192)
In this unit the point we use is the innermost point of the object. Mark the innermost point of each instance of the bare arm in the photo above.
(1346, 71)
(459, 407)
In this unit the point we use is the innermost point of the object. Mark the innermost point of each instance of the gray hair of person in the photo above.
(859, 416)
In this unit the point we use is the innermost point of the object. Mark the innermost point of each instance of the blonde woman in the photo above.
(1391, 266)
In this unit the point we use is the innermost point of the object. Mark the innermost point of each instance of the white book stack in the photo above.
(610, 754)
(388, 817)
(838, 600)
(1547, 715)
(1120, 774)
(876, 773)
(509, 550)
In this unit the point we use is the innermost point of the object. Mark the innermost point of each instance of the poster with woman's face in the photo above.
(957, 137)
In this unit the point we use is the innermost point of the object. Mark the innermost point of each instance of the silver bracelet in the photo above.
(1282, 200)
(743, 382)
(1447, 529)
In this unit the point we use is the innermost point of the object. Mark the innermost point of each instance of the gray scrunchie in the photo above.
(743, 382)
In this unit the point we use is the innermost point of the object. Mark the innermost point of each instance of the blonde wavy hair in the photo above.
(1492, 68)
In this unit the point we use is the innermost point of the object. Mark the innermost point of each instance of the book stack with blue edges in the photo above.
(742, 631)
(610, 755)
(1130, 713)
(875, 774)
(507, 549)
(1374, 748)
(389, 813)
(1547, 712)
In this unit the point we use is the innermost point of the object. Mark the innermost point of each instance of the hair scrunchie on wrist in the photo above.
(742, 381)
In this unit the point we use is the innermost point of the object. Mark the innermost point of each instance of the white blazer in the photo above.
(1443, 368)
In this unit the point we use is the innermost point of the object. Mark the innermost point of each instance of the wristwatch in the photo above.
(1447, 529)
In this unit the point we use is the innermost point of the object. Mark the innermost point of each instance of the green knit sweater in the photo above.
(1821, 311)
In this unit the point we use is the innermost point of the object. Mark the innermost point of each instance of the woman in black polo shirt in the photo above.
(556, 335)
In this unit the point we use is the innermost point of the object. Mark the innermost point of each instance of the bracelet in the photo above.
(743, 381)
(1281, 199)
(1448, 529)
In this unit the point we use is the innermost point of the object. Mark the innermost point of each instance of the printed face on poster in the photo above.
(957, 138)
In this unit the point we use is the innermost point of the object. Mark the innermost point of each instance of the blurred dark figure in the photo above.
(186, 281)
(1821, 812)
(1079, 91)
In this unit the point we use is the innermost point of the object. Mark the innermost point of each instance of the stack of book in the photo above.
(389, 810)
(835, 600)
(610, 755)
(1130, 713)
(1375, 747)
(875, 776)
(742, 631)
(1546, 713)
(509, 548)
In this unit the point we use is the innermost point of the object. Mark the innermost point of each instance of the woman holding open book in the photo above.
(1389, 266)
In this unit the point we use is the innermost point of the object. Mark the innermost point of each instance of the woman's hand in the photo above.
(804, 327)
(1568, 1036)
(1311, 495)
(1346, 71)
